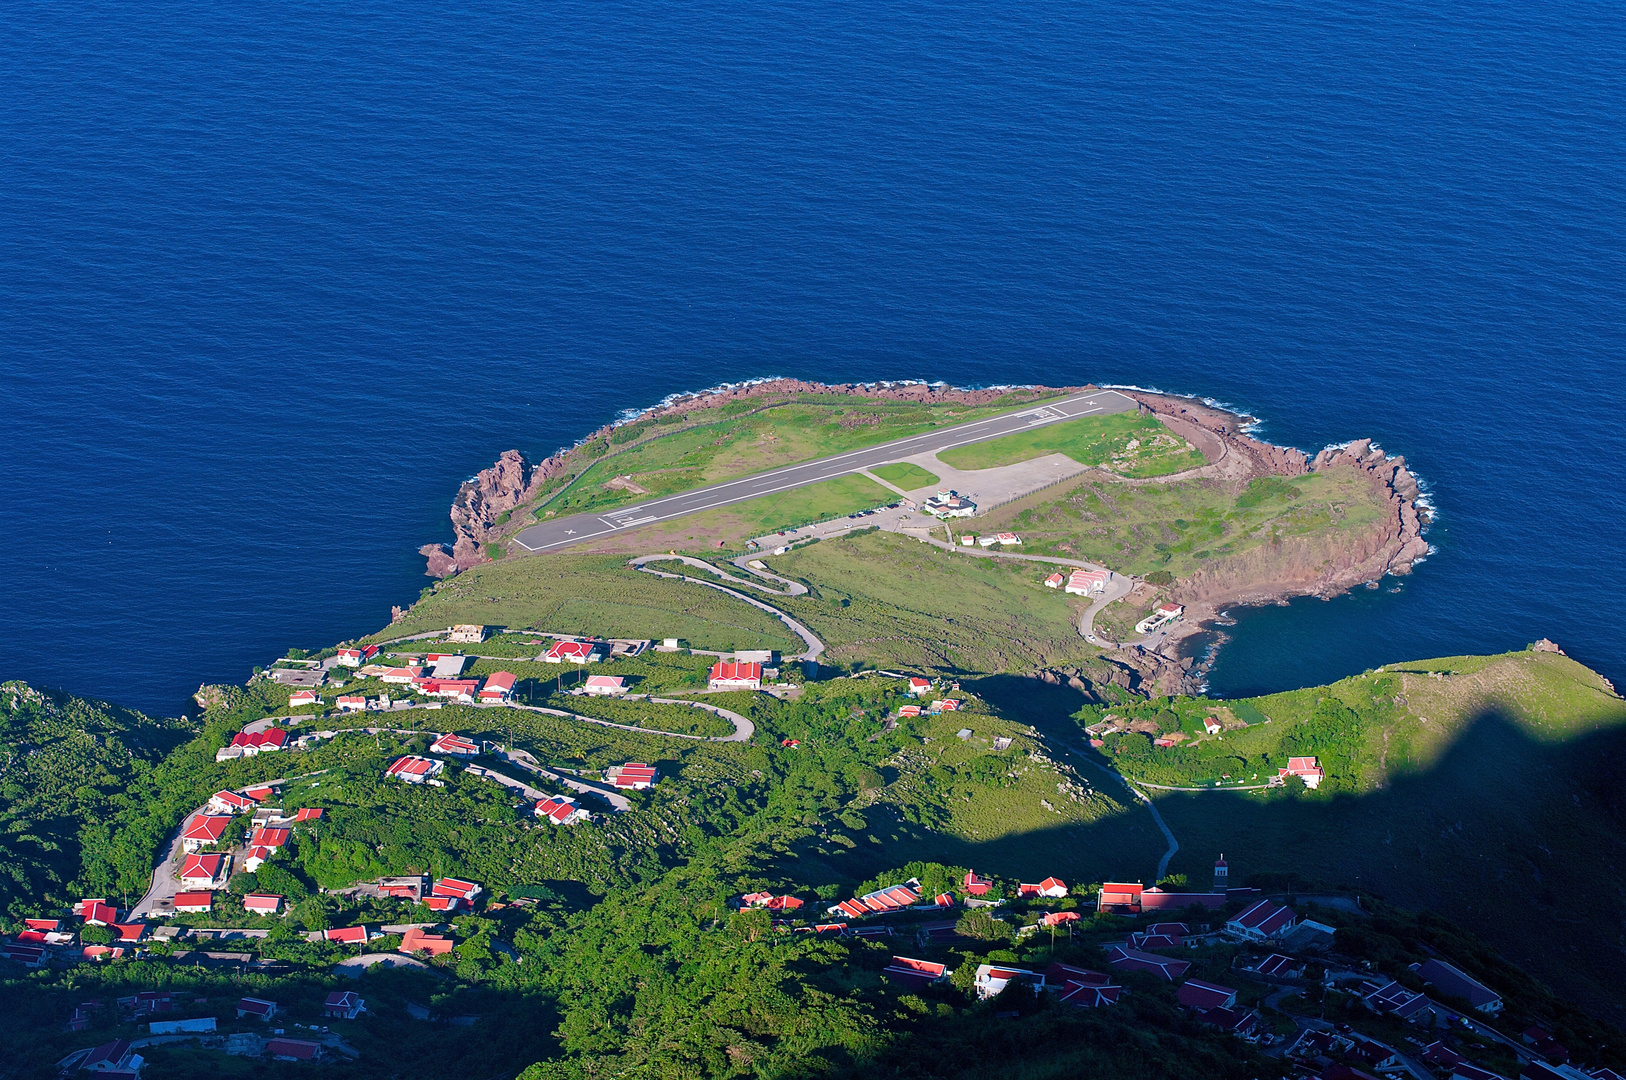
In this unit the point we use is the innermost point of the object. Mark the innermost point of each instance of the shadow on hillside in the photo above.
(1522, 842)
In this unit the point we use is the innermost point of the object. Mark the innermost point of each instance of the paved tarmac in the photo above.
(560, 532)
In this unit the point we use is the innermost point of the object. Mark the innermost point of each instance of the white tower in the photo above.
(1222, 878)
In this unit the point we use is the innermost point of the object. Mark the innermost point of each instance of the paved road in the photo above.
(815, 647)
(559, 532)
(524, 760)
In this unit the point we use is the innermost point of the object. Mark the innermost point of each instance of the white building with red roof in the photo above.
(356, 657)
(1120, 897)
(880, 902)
(1050, 887)
(204, 830)
(194, 902)
(976, 886)
(498, 688)
(992, 979)
(414, 769)
(1080, 987)
(1307, 769)
(919, 686)
(229, 802)
(1054, 581)
(735, 675)
(270, 838)
(1124, 958)
(347, 935)
(1202, 996)
(351, 703)
(915, 973)
(605, 685)
(402, 676)
(255, 1009)
(262, 903)
(1263, 921)
(300, 698)
(456, 745)
(205, 871)
(633, 776)
(256, 857)
(560, 810)
(344, 1005)
(459, 690)
(574, 652)
(97, 912)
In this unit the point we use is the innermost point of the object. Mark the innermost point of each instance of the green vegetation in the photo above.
(1129, 444)
(707, 448)
(906, 475)
(1178, 527)
(816, 502)
(64, 762)
(592, 594)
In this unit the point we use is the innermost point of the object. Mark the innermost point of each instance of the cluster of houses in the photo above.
(1161, 616)
(949, 504)
(1080, 582)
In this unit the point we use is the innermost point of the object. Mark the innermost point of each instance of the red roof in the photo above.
(1056, 918)
(206, 828)
(411, 766)
(353, 935)
(454, 744)
(1135, 960)
(944, 900)
(232, 799)
(258, 793)
(465, 890)
(202, 866)
(311, 814)
(43, 924)
(262, 901)
(297, 1049)
(442, 903)
(567, 650)
(1196, 994)
(736, 671)
(1264, 918)
(556, 809)
(501, 682)
(269, 739)
(194, 899)
(342, 999)
(97, 911)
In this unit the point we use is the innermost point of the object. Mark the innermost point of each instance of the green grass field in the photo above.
(592, 594)
(744, 442)
(1125, 443)
(906, 475)
(1187, 524)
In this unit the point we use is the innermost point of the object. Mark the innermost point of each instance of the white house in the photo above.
(729, 675)
(605, 685)
(1087, 582)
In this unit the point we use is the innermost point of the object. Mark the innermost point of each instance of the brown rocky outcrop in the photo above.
(1262, 458)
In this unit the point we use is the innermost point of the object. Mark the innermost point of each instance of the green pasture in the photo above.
(1130, 444)
(906, 475)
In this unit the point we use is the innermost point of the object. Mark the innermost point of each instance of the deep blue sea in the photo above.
(275, 279)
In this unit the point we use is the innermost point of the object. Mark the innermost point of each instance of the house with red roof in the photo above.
(1080, 987)
(461, 690)
(1054, 581)
(561, 810)
(414, 769)
(200, 871)
(255, 1009)
(262, 903)
(229, 802)
(256, 857)
(992, 979)
(1307, 769)
(313, 813)
(1120, 898)
(463, 890)
(880, 902)
(499, 687)
(204, 830)
(261, 793)
(1202, 996)
(24, 953)
(1280, 967)
(1262, 922)
(351, 703)
(915, 973)
(976, 886)
(605, 685)
(919, 686)
(116, 1059)
(129, 933)
(574, 652)
(415, 940)
(358, 656)
(944, 900)
(97, 912)
(271, 838)
(347, 935)
(1155, 899)
(1125, 958)
(735, 675)
(285, 1049)
(1058, 918)
(908, 710)
(1243, 1023)
(633, 776)
(249, 743)
(401, 676)
(1051, 887)
(344, 1005)
(194, 902)
(301, 698)
(456, 745)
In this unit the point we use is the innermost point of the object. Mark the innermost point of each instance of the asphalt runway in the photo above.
(560, 532)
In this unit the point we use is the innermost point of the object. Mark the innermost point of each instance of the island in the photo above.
(854, 740)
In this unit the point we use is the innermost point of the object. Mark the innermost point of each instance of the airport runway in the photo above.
(559, 532)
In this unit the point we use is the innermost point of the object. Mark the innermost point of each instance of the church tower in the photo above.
(1222, 880)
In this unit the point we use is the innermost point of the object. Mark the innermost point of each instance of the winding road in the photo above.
(815, 647)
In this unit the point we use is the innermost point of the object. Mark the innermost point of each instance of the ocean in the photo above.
(275, 280)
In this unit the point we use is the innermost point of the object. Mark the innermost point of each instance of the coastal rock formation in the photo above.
(477, 510)
(1259, 458)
